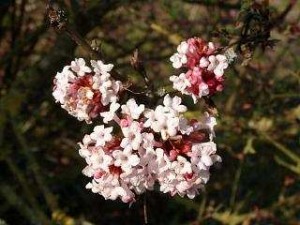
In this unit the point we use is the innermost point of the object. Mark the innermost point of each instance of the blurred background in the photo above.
(259, 112)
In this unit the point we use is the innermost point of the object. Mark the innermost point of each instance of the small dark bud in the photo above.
(57, 17)
(136, 62)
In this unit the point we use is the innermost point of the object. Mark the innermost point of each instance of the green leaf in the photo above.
(248, 149)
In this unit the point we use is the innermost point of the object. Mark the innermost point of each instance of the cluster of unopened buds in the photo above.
(139, 148)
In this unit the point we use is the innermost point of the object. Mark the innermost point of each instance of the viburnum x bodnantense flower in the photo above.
(203, 68)
(138, 146)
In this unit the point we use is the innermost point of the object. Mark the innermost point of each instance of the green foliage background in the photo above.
(259, 112)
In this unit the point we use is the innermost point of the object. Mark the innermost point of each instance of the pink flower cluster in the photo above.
(204, 68)
(84, 91)
(138, 148)
(155, 146)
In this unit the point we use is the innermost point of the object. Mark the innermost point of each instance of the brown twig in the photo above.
(81, 42)
(58, 21)
(138, 65)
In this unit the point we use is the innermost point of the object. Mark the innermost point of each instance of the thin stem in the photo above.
(286, 95)
(14, 200)
(295, 169)
(211, 106)
(82, 42)
(220, 4)
(138, 65)
(235, 185)
(135, 93)
(145, 210)
(28, 193)
(49, 197)
(202, 208)
(288, 152)
(59, 23)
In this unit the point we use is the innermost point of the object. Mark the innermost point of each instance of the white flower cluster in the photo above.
(85, 92)
(179, 58)
(156, 146)
(167, 119)
(215, 63)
